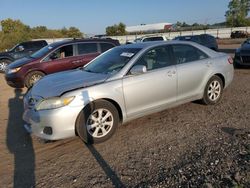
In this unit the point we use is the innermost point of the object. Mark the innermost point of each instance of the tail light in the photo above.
(230, 60)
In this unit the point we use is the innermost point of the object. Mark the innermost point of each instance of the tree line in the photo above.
(14, 31)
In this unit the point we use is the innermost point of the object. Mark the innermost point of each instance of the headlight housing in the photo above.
(53, 103)
(10, 71)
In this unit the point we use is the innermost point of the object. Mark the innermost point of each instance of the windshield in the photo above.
(12, 48)
(43, 51)
(112, 61)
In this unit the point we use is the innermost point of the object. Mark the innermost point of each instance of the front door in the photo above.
(154, 89)
(59, 60)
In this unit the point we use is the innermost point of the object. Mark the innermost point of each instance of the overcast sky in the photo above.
(93, 16)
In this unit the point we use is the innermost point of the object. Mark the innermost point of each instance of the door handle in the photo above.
(170, 73)
(77, 61)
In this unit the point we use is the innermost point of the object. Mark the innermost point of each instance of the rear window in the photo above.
(87, 48)
(153, 39)
(39, 44)
(106, 46)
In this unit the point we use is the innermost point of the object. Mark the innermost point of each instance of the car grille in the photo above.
(245, 59)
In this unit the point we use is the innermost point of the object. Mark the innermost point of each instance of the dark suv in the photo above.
(239, 34)
(58, 56)
(203, 39)
(20, 50)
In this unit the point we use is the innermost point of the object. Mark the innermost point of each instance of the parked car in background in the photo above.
(19, 51)
(239, 34)
(149, 38)
(58, 56)
(203, 39)
(242, 55)
(125, 83)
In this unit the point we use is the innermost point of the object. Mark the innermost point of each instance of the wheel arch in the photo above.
(6, 57)
(90, 104)
(30, 71)
(221, 77)
(33, 70)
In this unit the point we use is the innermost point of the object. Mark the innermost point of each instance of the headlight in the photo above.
(9, 71)
(52, 103)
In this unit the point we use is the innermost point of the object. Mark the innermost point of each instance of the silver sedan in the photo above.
(125, 83)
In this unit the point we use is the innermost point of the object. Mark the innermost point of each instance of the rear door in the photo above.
(192, 67)
(85, 52)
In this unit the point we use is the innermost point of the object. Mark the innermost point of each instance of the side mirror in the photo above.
(138, 69)
(20, 48)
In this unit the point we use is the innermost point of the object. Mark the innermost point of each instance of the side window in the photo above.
(21, 47)
(38, 44)
(187, 53)
(106, 46)
(153, 39)
(63, 52)
(155, 58)
(87, 48)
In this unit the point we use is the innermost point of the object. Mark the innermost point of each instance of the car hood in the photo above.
(56, 84)
(20, 62)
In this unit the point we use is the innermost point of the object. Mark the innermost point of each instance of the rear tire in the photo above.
(213, 91)
(97, 122)
(32, 78)
(3, 65)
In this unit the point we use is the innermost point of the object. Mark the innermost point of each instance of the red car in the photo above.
(58, 56)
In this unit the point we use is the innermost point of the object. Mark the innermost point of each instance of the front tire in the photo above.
(97, 122)
(213, 91)
(32, 78)
(3, 65)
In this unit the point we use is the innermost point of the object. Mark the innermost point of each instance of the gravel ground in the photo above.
(188, 146)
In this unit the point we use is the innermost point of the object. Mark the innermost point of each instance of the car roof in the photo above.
(147, 45)
(71, 41)
(153, 43)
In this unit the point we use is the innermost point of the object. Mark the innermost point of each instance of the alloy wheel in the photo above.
(3, 66)
(34, 78)
(214, 90)
(100, 123)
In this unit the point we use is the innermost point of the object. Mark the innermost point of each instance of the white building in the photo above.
(148, 27)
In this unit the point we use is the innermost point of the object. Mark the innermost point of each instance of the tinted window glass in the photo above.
(106, 46)
(86, 48)
(187, 53)
(196, 39)
(152, 39)
(155, 58)
(112, 61)
(25, 45)
(65, 51)
(38, 44)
